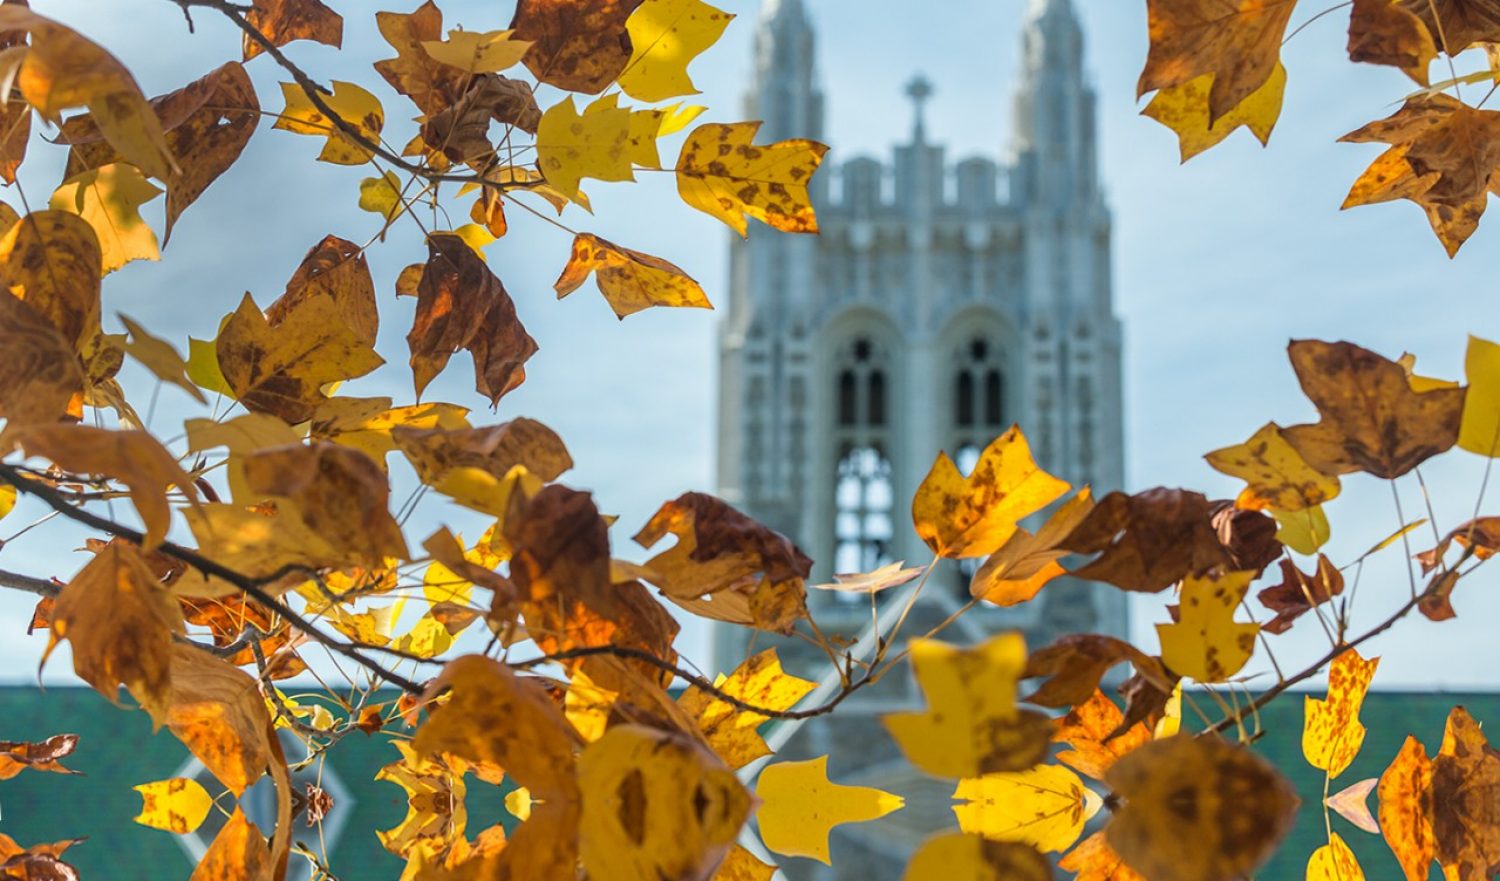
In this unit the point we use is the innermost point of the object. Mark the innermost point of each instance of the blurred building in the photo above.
(941, 303)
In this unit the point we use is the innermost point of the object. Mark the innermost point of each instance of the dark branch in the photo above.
(39, 586)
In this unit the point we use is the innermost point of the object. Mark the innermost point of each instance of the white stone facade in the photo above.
(940, 304)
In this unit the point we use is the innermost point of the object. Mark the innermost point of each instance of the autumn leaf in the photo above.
(571, 146)
(335, 267)
(1147, 541)
(473, 466)
(972, 725)
(63, 69)
(1236, 42)
(1303, 531)
(629, 280)
(134, 458)
(1406, 809)
(578, 45)
(666, 35)
(1334, 861)
(281, 368)
(656, 805)
(474, 52)
(1027, 562)
(1352, 803)
(47, 755)
(876, 580)
(1457, 24)
(1096, 732)
(366, 424)
(748, 573)
(1372, 419)
(1277, 475)
(352, 103)
(742, 865)
(41, 380)
(1075, 663)
(1044, 807)
(119, 621)
(730, 731)
(1184, 108)
(800, 806)
(178, 805)
(1094, 860)
(109, 198)
(461, 304)
(461, 132)
(954, 855)
(51, 260)
(160, 358)
(723, 174)
(217, 711)
(1242, 808)
(1299, 593)
(1332, 733)
(1442, 155)
(1387, 32)
(973, 516)
(284, 21)
(1207, 644)
(1479, 428)
(239, 852)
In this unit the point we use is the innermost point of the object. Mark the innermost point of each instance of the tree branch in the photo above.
(39, 586)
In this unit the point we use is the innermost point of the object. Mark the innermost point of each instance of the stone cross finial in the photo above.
(919, 89)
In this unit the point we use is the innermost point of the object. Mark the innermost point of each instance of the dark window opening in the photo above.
(877, 398)
(964, 394)
(992, 398)
(848, 408)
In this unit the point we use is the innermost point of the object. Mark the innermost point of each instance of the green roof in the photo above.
(118, 750)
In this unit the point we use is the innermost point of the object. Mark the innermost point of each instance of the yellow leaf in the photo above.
(7, 500)
(119, 620)
(655, 805)
(241, 435)
(203, 367)
(1026, 563)
(1334, 861)
(799, 806)
(352, 103)
(109, 198)
(629, 280)
(722, 173)
(742, 865)
(382, 195)
(666, 35)
(238, 853)
(973, 516)
(427, 638)
(160, 358)
(476, 52)
(518, 803)
(647, 126)
(178, 805)
(370, 627)
(1331, 732)
(1303, 531)
(218, 713)
(280, 369)
(572, 146)
(366, 423)
(1184, 110)
(1277, 475)
(972, 725)
(955, 856)
(1207, 644)
(252, 543)
(1479, 432)
(732, 732)
(1045, 807)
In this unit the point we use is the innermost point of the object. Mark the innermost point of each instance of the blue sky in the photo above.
(1218, 263)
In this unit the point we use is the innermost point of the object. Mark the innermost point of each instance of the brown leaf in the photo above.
(41, 380)
(1090, 728)
(1249, 537)
(227, 618)
(15, 120)
(208, 122)
(1026, 563)
(721, 551)
(47, 755)
(578, 45)
(432, 85)
(1384, 32)
(461, 132)
(283, 21)
(41, 616)
(1481, 533)
(494, 449)
(51, 260)
(1372, 419)
(218, 713)
(1236, 41)
(1466, 801)
(119, 621)
(1075, 664)
(1443, 153)
(461, 304)
(336, 491)
(337, 268)
(1406, 809)
(1095, 860)
(1149, 541)
(1297, 593)
(1198, 809)
(1458, 24)
(238, 853)
(134, 458)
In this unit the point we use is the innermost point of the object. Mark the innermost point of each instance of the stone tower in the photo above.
(941, 303)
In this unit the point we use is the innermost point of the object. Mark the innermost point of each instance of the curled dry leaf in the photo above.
(1458, 24)
(1332, 733)
(1242, 808)
(974, 516)
(723, 174)
(1249, 537)
(1090, 730)
(472, 465)
(800, 806)
(1147, 541)
(748, 573)
(1300, 593)
(119, 621)
(629, 280)
(461, 304)
(656, 805)
(1075, 664)
(972, 725)
(46, 755)
(283, 21)
(1386, 32)
(578, 45)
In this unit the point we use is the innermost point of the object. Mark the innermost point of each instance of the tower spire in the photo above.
(919, 89)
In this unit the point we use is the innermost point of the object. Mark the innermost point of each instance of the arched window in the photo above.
(864, 497)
